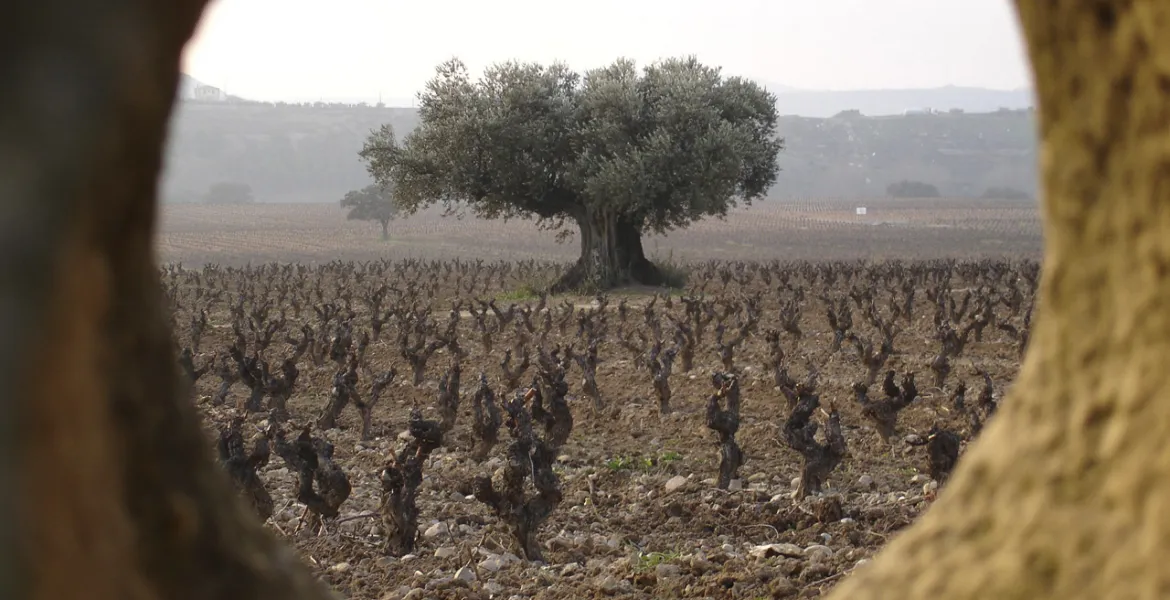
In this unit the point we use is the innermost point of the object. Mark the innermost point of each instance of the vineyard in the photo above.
(422, 429)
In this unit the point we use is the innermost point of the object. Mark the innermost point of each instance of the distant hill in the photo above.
(307, 153)
(809, 103)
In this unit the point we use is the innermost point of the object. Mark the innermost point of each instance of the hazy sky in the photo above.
(350, 49)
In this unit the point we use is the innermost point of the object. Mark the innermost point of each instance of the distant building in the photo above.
(918, 111)
(209, 93)
(193, 89)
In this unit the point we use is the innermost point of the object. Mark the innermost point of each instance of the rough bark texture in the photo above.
(118, 496)
(1067, 492)
(611, 256)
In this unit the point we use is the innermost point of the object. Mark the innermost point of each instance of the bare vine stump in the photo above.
(799, 432)
(528, 457)
(400, 481)
(486, 427)
(241, 466)
(725, 423)
(321, 485)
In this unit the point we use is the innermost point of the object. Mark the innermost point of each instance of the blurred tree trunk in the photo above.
(1065, 493)
(117, 496)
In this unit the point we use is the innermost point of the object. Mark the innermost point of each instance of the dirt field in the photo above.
(808, 230)
(640, 514)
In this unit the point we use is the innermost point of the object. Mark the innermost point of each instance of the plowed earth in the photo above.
(621, 531)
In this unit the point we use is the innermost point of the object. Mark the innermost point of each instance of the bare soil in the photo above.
(770, 230)
(619, 532)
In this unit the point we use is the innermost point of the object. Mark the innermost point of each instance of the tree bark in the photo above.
(1065, 493)
(385, 229)
(117, 496)
(611, 255)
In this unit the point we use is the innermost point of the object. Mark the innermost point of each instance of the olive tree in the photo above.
(371, 203)
(614, 154)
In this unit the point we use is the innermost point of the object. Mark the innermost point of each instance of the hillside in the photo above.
(826, 103)
(301, 153)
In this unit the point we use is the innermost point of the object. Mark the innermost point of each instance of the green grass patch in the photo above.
(642, 463)
(674, 271)
(647, 561)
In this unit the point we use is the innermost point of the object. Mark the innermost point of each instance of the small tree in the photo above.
(226, 192)
(616, 152)
(372, 203)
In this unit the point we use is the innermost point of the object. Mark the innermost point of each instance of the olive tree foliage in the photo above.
(372, 203)
(612, 154)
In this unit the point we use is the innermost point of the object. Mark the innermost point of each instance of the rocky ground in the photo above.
(641, 516)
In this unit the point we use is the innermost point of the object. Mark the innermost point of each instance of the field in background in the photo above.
(790, 230)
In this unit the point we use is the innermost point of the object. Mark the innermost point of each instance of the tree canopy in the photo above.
(375, 202)
(616, 152)
(912, 189)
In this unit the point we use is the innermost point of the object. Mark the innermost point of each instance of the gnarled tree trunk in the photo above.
(611, 255)
(117, 497)
(1065, 494)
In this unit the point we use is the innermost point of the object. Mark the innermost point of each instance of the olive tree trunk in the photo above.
(116, 493)
(611, 255)
(1066, 494)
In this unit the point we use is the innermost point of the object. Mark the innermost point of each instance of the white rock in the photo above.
(931, 486)
(795, 483)
(465, 574)
(445, 552)
(611, 585)
(435, 530)
(767, 550)
(818, 552)
(676, 482)
(491, 564)
(493, 588)
(340, 567)
(865, 481)
(918, 478)
(735, 485)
